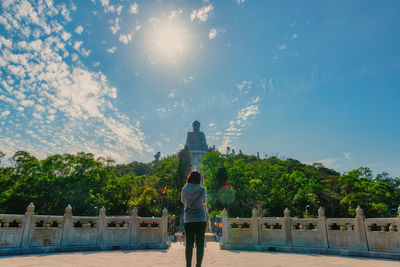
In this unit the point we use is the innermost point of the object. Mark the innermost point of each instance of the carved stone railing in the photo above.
(32, 233)
(359, 236)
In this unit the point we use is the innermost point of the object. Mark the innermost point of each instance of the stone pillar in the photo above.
(68, 224)
(322, 227)
(101, 225)
(28, 225)
(287, 227)
(254, 221)
(398, 224)
(164, 226)
(225, 227)
(360, 228)
(134, 224)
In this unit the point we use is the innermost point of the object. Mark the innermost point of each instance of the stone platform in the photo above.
(175, 256)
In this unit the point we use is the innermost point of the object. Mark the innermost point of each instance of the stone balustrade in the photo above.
(32, 233)
(359, 236)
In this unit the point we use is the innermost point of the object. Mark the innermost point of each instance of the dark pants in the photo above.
(195, 232)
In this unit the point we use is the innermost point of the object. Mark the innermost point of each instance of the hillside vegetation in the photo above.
(236, 182)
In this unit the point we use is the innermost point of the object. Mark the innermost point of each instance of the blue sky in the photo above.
(317, 81)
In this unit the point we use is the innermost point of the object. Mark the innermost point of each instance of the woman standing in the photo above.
(195, 218)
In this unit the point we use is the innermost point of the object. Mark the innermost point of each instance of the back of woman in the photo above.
(194, 197)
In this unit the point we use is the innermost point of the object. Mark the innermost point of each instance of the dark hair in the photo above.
(194, 177)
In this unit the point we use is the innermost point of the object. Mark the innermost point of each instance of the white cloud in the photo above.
(79, 29)
(244, 87)
(171, 94)
(202, 13)
(347, 155)
(96, 64)
(294, 36)
(86, 52)
(246, 112)
(112, 50)
(115, 28)
(282, 47)
(187, 79)
(236, 126)
(213, 33)
(77, 45)
(211, 124)
(174, 14)
(134, 8)
(65, 36)
(4, 114)
(119, 9)
(62, 107)
(107, 7)
(239, 2)
(329, 162)
(125, 38)
(271, 85)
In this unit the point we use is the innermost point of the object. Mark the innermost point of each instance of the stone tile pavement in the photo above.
(213, 256)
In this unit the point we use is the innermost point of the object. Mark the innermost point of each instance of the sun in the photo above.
(168, 41)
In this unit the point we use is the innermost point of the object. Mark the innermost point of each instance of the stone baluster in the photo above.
(68, 224)
(322, 227)
(101, 226)
(360, 229)
(134, 225)
(225, 227)
(28, 225)
(398, 223)
(287, 227)
(164, 226)
(254, 222)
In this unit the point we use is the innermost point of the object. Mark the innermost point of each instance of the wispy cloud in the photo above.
(174, 14)
(112, 50)
(115, 27)
(79, 29)
(63, 106)
(188, 79)
(125, 38)
(242, 119)
(134, 9)
(295, 36)
(282, 47)
(202, 13)
(244, 87)
(347, 155)
(213, 33)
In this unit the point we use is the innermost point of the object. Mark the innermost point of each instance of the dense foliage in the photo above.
(88, 184)
(241, 182)
(237, 182)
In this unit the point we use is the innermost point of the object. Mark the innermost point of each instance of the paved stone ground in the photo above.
(213, 256)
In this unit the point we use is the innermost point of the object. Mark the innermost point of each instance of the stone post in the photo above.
(134, 224)
(68, 224)
(360, 228)
(225, 227)
(101, 226)
(28, 225)
(398, 223)
(287, 227)
(254, 222)
(322, 227)
(164, 226)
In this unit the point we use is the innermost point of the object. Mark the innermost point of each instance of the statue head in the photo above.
(196, 126)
